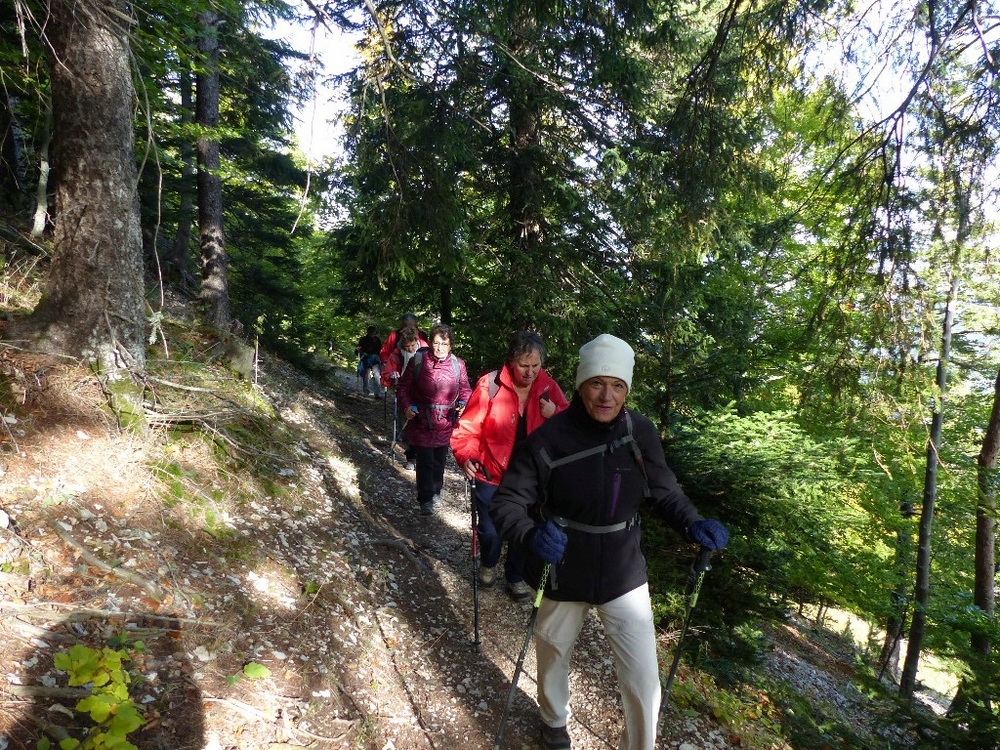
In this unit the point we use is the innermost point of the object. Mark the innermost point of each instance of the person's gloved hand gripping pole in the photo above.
(548, 542)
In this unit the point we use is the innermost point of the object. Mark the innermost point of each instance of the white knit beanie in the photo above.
(606, 356)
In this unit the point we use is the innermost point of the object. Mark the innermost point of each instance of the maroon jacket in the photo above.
(437, 394)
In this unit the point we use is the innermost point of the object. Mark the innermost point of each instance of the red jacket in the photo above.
(488, 426)
(391, 346)
(436, 393)
(392, 358)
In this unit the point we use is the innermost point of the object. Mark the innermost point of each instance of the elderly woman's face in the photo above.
(603, 397)
(525, 368)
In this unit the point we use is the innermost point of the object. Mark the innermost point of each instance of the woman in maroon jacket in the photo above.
(571, 495)
(432, 393)
(506, 405)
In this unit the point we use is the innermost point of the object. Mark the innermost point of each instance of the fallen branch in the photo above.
(20, 240)
(126, 575)
(35, 611)
(33, 631)
(55, 731)
(401, 545)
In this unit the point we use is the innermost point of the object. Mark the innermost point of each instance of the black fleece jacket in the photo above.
(598, 490)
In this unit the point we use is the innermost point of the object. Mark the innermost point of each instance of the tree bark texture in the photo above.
(92, 306)
(214, 262)
(984, 595)
(523, 100)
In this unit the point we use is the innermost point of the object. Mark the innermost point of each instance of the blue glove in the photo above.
(709, 533)
(548, 542)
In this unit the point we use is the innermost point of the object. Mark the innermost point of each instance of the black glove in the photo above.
(709, 533)
(548, 542)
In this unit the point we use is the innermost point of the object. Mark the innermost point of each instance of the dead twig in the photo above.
(401, 545)
(79, 614)
(28, 630)
(154, 590)
(40, 691)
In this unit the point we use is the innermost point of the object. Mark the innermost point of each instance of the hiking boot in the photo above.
(426, 509)
(519, 591)
(487, 577)
(554, 738)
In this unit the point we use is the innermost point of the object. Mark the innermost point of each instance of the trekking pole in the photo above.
(395, 412)
(470, 489)
(520, 659)
(695, 576)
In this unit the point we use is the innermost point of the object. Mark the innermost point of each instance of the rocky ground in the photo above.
(360, 609)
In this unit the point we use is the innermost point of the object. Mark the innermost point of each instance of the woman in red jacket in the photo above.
(506, 405)
(432, 393)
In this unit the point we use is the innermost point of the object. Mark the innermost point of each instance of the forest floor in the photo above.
(318, 569)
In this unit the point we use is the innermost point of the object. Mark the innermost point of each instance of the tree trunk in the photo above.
(984, 595)
(13, 155)
(92, 305)
(896, 622)
(908, 678)
(523, 100)
(214, 262)
(177, 257)
(41, 217)
(984, 587)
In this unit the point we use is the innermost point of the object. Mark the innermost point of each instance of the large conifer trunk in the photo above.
(92, 306)
(214, 261)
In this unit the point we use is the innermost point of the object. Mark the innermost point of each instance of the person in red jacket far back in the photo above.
(506, 405)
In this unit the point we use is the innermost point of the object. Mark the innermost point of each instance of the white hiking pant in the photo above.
(628, 626)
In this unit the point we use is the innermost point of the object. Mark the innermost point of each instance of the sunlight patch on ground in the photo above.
(933, 673)
(275, 587)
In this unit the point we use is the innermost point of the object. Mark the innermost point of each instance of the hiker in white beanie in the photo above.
(571, 496)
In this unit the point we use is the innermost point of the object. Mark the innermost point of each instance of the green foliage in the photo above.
(109, 705)
(792, 503)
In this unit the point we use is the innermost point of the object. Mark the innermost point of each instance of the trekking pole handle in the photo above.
(696, 574)
(704, 560)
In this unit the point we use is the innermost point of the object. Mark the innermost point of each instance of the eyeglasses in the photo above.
(441, 345)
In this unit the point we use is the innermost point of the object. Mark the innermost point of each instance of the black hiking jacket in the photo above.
(598, 491)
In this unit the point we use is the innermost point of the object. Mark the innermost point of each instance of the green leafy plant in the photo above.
(252, 671)
(109, 705)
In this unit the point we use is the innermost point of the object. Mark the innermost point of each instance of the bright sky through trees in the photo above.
(331, 53)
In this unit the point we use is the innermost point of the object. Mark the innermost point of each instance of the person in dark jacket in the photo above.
(432, 392)
(369, 364)
(571, 496)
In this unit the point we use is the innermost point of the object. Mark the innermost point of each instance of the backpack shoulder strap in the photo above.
(627, 439)
(637, 455)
